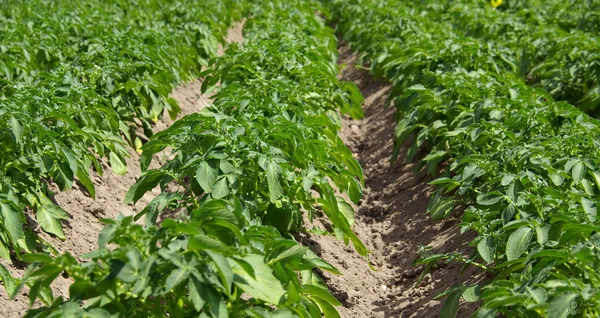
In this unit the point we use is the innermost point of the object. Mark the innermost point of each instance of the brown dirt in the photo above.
(83, 226)
(391, 220)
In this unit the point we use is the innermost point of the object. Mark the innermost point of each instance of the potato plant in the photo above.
(76, 81)
(562, 60)
(569, 15)
(246, 169)
(525, 165)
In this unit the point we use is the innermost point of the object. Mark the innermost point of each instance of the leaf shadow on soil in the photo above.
(392, 222)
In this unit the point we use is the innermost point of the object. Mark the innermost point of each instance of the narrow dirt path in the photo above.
(391, 220)
(83, 226)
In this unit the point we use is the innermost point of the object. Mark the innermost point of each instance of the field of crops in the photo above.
(446, 164)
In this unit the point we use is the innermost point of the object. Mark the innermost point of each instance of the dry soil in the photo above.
(391, 220)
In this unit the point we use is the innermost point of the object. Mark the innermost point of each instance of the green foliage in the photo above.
(200, 265)
(525, 165)
(554, 43)
(77, 77)
(242, 174)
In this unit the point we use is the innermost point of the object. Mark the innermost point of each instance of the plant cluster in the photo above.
(569, 14)
(560, 58)
(525, 166)
(218, 241)
(76, 78)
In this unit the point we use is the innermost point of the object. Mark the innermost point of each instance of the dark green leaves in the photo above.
(68, 105)
(240, 174)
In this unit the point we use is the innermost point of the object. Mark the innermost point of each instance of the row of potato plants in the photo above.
(569, 14)
(566, 63)
(526, 167)
(76, 81)
(219, 240)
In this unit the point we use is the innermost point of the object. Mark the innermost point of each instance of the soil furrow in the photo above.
(391, 219)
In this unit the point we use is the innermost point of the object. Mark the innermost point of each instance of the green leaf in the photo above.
(442, 180)
(206, 175)
(8, 281)
(450, 306)
(542, 233)
(99, 313)
(587, 186)
(203, 242)
(106, 234)
(557, 179)
(294, 252)
(4, 251)
(263, 285)
(539, 295)
(417, 87)
(224, 269)
(557, 254)
(326, 308)
(17, 130)
(578, 171)
(589, 207)
(221, 189)
(471, 293)
(307, 180)
(435, 155)
(321, 293)
(559, 306)
(195, 296)
(354, 191)
(84, 178)
(129, 272)
(485, 312)
(440, 207)
(518, 242)
(12, 222)
(41, 289)
(488, 199)
(117, 164)
(315, 261)
(145, 183)
(346, 209)
(175, 278)
(36, 258)
(487, 249)
(507, 179)
(274, 180)
(596, 175)
(49, 217)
